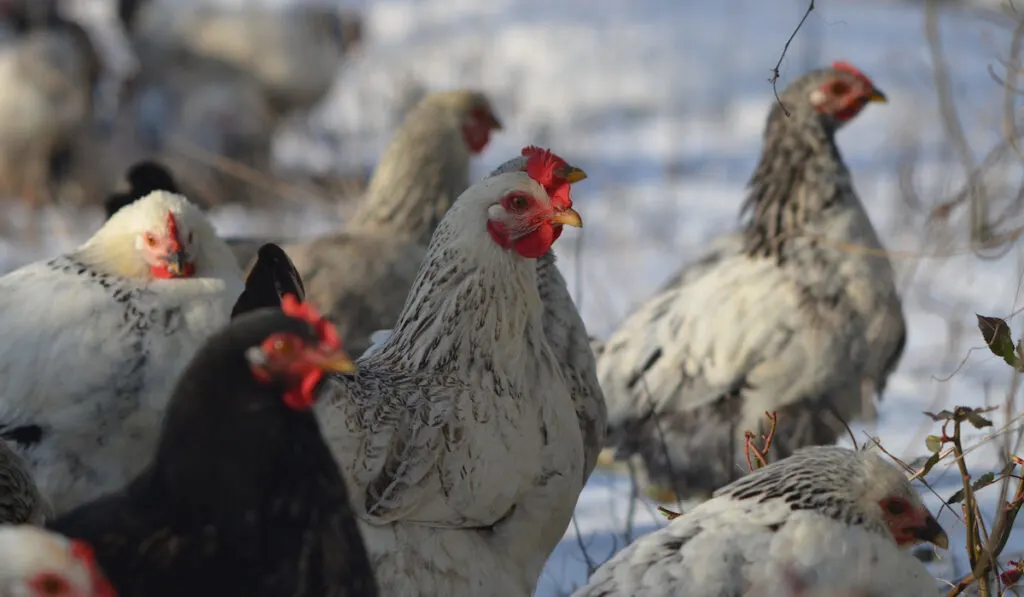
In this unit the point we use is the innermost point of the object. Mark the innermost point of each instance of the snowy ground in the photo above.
(662, 103)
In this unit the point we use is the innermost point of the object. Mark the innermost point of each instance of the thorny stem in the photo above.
(759, 454)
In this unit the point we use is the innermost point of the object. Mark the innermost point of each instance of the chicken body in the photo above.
(242, 496)
(793, 314)
(20, 500)
(46, 86)
(361, 275)
(37, 563)
(97, 338)
(459, 436)
(824, 517)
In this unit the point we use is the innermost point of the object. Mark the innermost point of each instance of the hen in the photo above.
(95, 339)
(361, 275)
(459, 436)
(37, 563)
(242, 496)
(792, 314)
(827, 515)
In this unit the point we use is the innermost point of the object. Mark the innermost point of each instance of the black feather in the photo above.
(143, 178)
(242, 497)
(272, 276)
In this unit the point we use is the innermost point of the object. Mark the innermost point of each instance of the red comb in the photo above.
(541, 165)
(848, 68)
(326, 332)
(84, 553)
(172, 232)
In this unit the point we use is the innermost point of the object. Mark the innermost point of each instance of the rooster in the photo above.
(842, 518)
(792, 314)
(37, 563)
(459, 436)
(242, 496)
(361, 275)
(94, 340)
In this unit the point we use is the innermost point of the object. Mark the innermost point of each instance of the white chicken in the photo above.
(824, 517)
(459, 435)
(94, 340)
(38, 563)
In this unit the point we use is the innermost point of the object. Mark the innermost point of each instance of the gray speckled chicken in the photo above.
(20, 500)
(794, 313)
(824, 518)
(360, 276)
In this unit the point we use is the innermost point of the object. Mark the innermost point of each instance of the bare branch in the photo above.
(775, 70)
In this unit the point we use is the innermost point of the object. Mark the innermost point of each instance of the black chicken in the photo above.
(243, 496)
(143, 178)
(272, 276)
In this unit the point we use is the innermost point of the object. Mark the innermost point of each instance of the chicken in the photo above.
(294, 54)
(143, 178)
(361, 275)
(96, 338)
(46, 84)
(459, 436)
(842, 517)
(791, 314)
(270, 279)
(37, 563)
(242, 496)
(20, 500)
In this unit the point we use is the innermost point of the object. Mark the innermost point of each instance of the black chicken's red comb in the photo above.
(846, 67)
(326, 332)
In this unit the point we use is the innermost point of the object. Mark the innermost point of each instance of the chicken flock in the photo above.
(411, 405)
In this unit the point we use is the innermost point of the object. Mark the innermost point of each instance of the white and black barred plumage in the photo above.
(782, 316)
(459, 434)
(94, 344)
(824, 517)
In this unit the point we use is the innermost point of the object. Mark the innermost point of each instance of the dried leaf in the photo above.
(668, 513)
(943, 415)
(933, 443)
(930, 464)
(998, 336)
(983, 481)
(977, 420)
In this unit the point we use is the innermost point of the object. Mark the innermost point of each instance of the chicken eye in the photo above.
(49, 584)
(839, 88)
(896, 507)
(518, 202)
(281, 345)
(150, 239)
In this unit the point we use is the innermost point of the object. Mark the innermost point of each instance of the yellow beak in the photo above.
(571, 174)
(568, 217)
(335, 362)
(877, 96)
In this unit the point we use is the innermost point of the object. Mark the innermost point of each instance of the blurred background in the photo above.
(273, 113)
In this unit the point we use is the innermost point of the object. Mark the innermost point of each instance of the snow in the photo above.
(662, 103)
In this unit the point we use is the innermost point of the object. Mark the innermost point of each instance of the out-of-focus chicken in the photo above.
(20, 500)
(47, 78)
(37, 563)
(142, 179)
(459, 436)
(96, 338)
(293, 53)
(243, 496)
(795, 313)
(361, 275)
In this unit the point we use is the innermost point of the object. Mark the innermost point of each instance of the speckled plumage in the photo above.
(459, 435)
(242, 496)
(20, 500)
(813, 517)
(361, 275)
(94, 344)
(781, 316)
